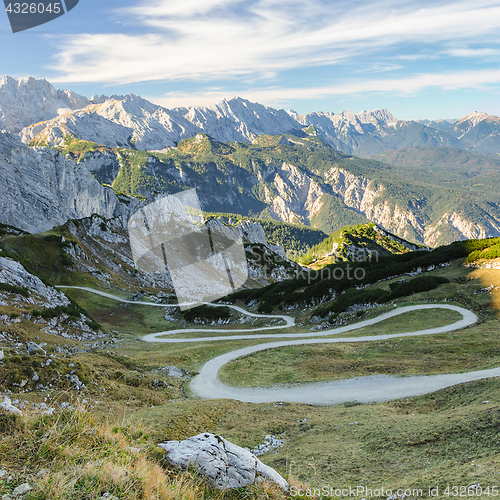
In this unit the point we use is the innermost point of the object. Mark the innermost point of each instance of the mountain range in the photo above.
(430, 182)
(42, 114)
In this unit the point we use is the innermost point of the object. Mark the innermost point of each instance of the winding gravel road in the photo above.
(289, 321)
(375, 388)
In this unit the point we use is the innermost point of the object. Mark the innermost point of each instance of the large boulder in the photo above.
(224, 464)
(7, 406)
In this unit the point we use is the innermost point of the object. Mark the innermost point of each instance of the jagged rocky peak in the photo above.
(378, 117)
(238, 119)
(131, 104)
(381, 117)
(114, 121)
(473, 118)
(26, 100)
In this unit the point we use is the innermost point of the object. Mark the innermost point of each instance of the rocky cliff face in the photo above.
(297, 196)
(40, 188)
(24, 101)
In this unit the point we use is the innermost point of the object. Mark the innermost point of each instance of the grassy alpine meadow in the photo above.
(75, 455)
(106, 442)
(441, 439)
(474, 348)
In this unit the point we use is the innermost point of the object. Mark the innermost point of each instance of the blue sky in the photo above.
(422, 59)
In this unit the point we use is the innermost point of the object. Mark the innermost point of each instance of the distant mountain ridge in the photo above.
(132, 121)
(372, 132)
(477, 132)
(301, 180)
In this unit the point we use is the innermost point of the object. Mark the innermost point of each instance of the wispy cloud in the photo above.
(474, 53)
(228, 39)
(283, 96)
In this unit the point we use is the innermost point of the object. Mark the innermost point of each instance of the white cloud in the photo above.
(474, 53)
(222, 39)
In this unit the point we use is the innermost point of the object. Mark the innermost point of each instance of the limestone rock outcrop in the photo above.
(14, 273)
(223, 463)
(6, 405)
(40, 188)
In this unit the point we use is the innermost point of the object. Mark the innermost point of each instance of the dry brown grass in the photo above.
(84, 457)
(490, 277)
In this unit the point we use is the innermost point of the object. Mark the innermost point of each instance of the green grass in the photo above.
(20, 290)
(209, 164)
(453, 352)
(293, 239)
(85, 457)
(43, 255)
(416, 442)
(135, 319)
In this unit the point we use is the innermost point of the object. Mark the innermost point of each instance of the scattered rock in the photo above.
(22, 489)
(1, 355)
(224, 464)
(173, 371)
(270, 444)
(108, 496)
(76, 383)
(6, 405)
(34, 348)
(42, 473)
(3, 473)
